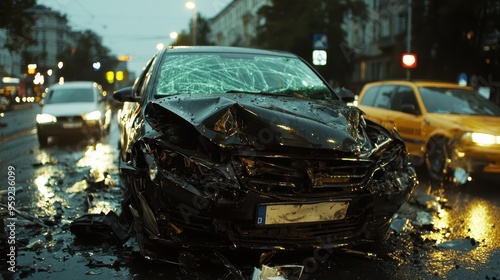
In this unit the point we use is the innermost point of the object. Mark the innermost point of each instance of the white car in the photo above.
(73, 108)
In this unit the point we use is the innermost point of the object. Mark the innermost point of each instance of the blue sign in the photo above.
(462, 79)
(320, 42)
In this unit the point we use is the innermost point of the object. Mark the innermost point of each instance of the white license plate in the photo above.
(279, 214)
(72, 125)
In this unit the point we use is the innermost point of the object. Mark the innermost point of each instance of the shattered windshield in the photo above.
(208, 73)
(456, 101)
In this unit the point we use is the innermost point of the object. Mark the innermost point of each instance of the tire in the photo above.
(436, 159)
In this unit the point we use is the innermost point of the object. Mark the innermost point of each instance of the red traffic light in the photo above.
(409, 60)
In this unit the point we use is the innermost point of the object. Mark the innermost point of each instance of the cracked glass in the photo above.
(200, 73)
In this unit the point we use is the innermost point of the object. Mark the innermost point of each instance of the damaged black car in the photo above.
(243, 148)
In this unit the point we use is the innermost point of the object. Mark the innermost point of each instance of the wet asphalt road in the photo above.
(442, 233)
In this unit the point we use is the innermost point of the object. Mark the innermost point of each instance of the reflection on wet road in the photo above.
(462, 233)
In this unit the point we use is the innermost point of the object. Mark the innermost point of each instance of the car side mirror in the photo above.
(346, 95)
(125, 94)
(409, 109)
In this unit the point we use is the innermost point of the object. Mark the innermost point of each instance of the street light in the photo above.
(192, 6)
(408, 38)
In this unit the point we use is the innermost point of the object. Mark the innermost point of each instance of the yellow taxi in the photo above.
(451, 129)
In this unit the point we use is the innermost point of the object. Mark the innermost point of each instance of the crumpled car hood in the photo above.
(247, 119)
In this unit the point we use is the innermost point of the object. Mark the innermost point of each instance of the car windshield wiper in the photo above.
(259, 93)
(167, 95)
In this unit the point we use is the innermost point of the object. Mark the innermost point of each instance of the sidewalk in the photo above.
(20, 119)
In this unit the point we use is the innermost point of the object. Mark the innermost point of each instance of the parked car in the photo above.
(245, 148)
(73, 108)
(451, 129)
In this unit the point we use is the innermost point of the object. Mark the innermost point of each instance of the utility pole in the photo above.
(408, 37)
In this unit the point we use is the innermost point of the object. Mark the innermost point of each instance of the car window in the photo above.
(227, 73)
(384, 96)
(141, 85)
(404, 96)
(66, 95)
(369, 96)
(456, 101)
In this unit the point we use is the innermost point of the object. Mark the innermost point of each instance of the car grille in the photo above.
(70, 119)
(291, 175)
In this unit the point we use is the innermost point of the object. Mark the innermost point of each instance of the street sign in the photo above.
(319, 57)
(320, 42)
(462, 79)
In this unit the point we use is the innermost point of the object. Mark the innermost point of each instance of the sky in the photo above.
(133, 27)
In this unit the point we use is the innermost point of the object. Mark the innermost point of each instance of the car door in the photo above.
(375, 102)
(406, 115)
(133, 119)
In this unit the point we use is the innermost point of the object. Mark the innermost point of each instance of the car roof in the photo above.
(75, 84)
(225, 49)
(422, 83)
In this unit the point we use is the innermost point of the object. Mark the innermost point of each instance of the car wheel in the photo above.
(436, 158)
(42, 139)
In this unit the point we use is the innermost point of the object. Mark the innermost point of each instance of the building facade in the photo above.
(10, 62)
(376, 44)
(237, 23)
(53, 34)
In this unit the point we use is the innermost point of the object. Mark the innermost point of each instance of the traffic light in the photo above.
(409, 60)
(110, 77)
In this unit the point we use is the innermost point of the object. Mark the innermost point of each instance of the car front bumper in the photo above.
(86, 128)
(223, 211)
(476, 159)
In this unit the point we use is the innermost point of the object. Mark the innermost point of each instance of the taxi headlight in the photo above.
(92, 116)
(484, 139)
(45, 118)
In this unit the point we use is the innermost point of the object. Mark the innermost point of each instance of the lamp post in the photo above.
(192, 6)
(408, 36)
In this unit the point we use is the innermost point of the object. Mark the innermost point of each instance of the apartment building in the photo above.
(10, 62)
(237, 23)
(375, 45)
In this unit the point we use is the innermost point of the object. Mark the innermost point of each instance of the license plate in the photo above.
(279, 214)
(72, 125)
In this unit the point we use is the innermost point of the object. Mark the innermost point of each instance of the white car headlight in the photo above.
(92, 116)
(45, 118)
(484, 139)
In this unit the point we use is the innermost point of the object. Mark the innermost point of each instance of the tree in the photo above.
(291, 27)
(183, 39)
(79, 61)
(454, 36)
(19, 22)
(202, 32)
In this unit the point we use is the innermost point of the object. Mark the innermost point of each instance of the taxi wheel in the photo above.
(436, 159)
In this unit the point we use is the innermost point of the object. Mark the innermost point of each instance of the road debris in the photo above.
(99, 228)
(466, 244)
(279, 272)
